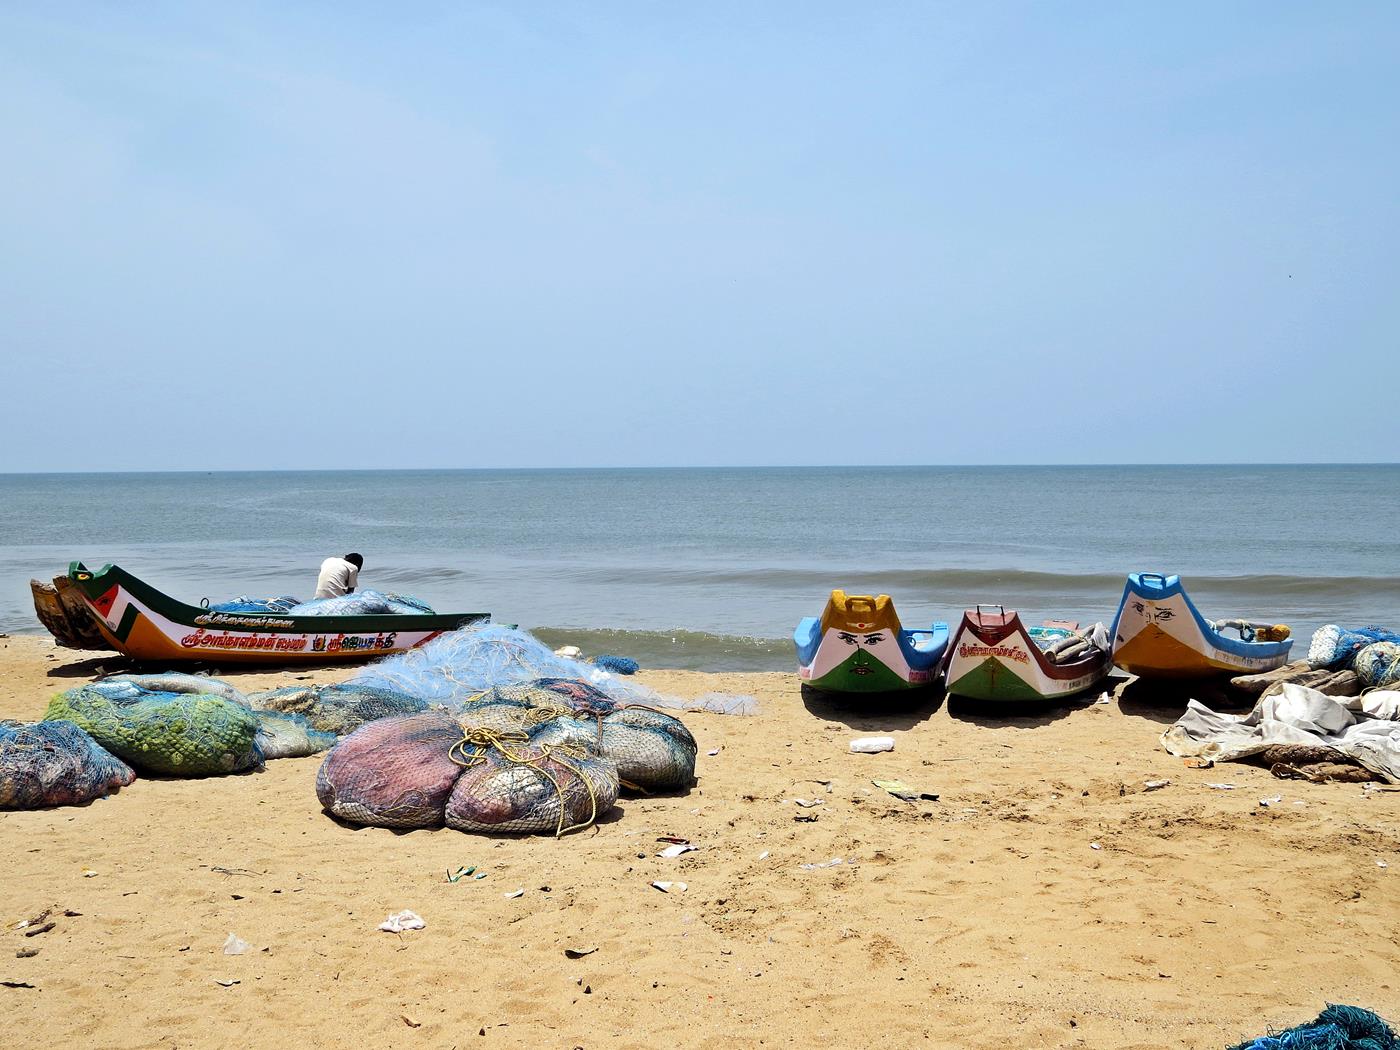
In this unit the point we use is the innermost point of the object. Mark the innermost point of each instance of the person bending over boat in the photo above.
(339, 576)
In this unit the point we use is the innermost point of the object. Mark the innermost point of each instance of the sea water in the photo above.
(712, 568)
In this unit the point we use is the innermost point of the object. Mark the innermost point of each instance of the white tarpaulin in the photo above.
(1364, 728)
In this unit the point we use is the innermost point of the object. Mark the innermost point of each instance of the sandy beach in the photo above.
(983, 919)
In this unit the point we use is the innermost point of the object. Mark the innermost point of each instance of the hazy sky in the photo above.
(422, 235)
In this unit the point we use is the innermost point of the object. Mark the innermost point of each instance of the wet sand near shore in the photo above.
(986, 918)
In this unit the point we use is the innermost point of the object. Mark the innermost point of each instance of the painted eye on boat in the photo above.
(871, 639)
(1163, 614)
(1138, 607)
(849, 639)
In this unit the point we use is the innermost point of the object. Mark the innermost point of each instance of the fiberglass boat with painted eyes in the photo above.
(1158, 633)
(995, 657)
(858, 646)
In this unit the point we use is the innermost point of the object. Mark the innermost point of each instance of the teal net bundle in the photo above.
(282, 734)
(268, 606)
(362, 603)
(1333, 648)
(426, 770)
(1336, 1028)
(179, 734)
(55, 764)
(457, 665)
(1378, 665)
(338, 709)
(180, 682)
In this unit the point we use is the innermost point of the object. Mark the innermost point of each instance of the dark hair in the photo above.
(356, 560)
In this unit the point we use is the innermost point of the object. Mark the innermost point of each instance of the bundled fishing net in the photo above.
(245, 604)
(651, 749)
(180, 682)
(1334, 647)
(362, 603)
(1336, 1028)
(284, 735)
(182, 734)
(424, 770)
(457, 665)
(338, 709)
(55, 764)
(1378, 665)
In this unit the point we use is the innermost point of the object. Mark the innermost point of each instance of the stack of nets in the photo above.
(1336, 1028)
(456, 666)
(180, 734)
(55, 764)
(362, 603)
(245, 604)
(1378, 665)
(337, 709)
(545, 756)
(1335, 648)
(425, 770)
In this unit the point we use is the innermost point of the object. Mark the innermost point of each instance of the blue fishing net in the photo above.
(55, 764)
(1336, 1028)
(1334, 648)
(362, 603)
(245, 604)
(179, 734)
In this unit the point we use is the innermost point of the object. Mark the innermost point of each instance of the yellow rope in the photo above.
(476, 744)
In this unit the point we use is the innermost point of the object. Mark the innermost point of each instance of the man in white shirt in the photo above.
(339, 576)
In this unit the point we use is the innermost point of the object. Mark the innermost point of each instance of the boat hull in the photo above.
(1158, 633)
(994, 658)
(858, 646)
(144, 624)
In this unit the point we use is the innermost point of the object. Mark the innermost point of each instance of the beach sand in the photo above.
(984, 919)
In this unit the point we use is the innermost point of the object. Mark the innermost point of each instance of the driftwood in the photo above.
(1270, 683)
(61, 610)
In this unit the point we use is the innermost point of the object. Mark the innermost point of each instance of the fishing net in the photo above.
(1378, 665)
(513, 784)
(457, 665)
(338, 709)
(285, 735)
(181, 734)
(180, 682)
(55, 764)
(362, 603)
(651, 749)
(245, 604)
(392, 773)
(1334, 647)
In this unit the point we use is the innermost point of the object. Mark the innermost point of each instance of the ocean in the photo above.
(711, 569)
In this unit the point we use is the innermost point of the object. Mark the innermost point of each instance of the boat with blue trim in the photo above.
(857, 645)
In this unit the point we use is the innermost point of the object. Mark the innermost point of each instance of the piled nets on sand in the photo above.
(426, 770)
(361, 603)
(55, 764)
(1335, 648)
(337, 709)
(454, 667)
(1378, 665)
(282, 734)
(1336, 1028)
(182, 734)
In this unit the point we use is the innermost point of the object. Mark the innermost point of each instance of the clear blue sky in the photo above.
(438, 235)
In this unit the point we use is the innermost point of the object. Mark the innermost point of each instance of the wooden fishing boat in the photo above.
(995, 657)
(858, 646)
(139, 621)
(1158, 633)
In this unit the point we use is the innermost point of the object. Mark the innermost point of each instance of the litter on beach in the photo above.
(670, 887)
(401, 921)
(675, 851)
(872, 745)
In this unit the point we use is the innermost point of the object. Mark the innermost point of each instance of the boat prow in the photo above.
(145, 624)
(1159, 633)
(858, 646)
(996, 657)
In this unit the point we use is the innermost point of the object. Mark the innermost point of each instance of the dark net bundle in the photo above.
(393, 772)
(179, 734)
(55, 764)
(1378, 665)
(339, 709)
(511, 784)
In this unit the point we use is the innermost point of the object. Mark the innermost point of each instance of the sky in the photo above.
(282, 236)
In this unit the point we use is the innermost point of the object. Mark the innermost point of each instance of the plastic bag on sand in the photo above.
(401, 921)
(55, 764)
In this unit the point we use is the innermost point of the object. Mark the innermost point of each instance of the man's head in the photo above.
(355, 560)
